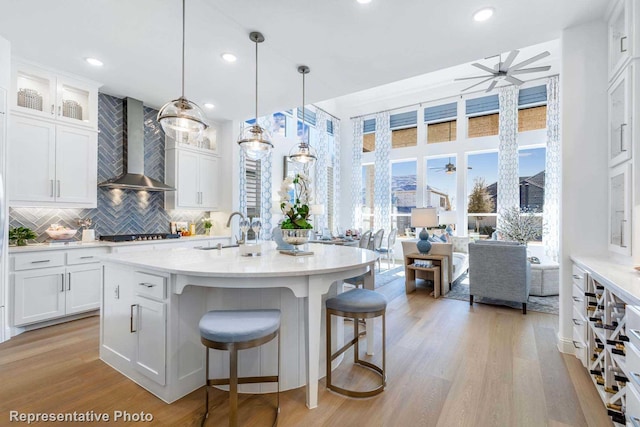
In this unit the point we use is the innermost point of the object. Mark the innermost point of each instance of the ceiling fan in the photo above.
(506, 71)
(449, 168)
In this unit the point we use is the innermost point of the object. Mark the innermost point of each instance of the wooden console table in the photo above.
(440, 272)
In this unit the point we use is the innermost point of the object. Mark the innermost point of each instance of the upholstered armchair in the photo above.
(499, 270)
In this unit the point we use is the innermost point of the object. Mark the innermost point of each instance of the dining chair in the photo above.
(376, 243)
(388, 250)
(365, 239)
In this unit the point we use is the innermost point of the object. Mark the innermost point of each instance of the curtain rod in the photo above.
(325, 111)
(440, 99)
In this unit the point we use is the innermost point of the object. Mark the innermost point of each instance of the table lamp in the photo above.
(447, 218)
(424, 217)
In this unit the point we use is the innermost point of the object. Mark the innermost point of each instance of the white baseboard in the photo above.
(565, 345)
(17, 330)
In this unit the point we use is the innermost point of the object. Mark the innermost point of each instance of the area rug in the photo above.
(460, 291)
(385, 277)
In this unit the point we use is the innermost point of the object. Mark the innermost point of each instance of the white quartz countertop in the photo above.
(227, 262)
(623, 280)
(98, 244)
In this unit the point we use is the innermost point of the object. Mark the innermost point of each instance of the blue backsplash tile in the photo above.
(118, 211)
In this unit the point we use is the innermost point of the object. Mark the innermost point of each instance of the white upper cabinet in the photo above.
(620, 119)
(620, 35)
(45, 94)
(194, 172)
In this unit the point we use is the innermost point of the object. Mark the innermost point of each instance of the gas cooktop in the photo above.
(138, 237)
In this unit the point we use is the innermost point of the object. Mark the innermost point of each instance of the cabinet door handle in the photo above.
(58, 181)
(576, 344)
(131, 330)
(576, 322)
(62, 282)
(636, 333)
(622, 221)
(59, 110)
(86, 257)
(69, 283)
(635, 421)
(148, 285)
(53, 109)
(575, 276)
(117, 292)
(40, 261)
(51, 192)
(576, 299)
(622, 126)
(622, 48)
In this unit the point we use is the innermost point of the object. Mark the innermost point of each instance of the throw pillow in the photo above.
(444, 237)
(434, 239)
(460, 244)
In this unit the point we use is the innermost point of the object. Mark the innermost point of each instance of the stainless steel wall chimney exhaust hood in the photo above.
(133, 177)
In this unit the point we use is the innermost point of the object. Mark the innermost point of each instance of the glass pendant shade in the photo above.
(255, 141)
(303, 153)
(182, 120)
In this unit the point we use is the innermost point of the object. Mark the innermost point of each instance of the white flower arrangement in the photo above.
(297, 212)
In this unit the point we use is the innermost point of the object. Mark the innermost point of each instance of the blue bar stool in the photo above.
(356, 304)
(235, 330)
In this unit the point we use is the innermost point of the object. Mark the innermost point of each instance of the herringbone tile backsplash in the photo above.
(118, 211)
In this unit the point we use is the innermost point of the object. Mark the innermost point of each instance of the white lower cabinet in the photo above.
(83, 288)
(38, 295)
(135, 322)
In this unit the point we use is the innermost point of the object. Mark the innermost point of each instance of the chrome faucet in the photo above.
(242, 235)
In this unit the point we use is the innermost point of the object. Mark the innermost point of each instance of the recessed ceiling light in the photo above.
(95, 62)
(209, 105)
(364, 1)
(229, 57)
(483, 14)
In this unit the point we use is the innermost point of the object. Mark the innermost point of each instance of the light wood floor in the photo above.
(448, 365)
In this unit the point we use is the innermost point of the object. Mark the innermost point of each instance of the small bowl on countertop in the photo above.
(61, 234)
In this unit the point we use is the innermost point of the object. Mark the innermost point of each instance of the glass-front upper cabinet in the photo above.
(621, 42)
(620, 146)
(39, 92)
(620, 209)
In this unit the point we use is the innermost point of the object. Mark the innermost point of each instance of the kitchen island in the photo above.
(152, 303)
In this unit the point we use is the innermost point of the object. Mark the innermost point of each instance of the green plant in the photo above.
(519, 225)
(207, 223)
(296, 208)
(20, 235)
(487, 230)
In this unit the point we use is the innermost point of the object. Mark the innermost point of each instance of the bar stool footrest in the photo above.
(245, 380)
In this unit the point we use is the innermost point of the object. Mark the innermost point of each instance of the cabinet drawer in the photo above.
(580, 348)
(38, 260)
(150, 285)
(578, 296)
(633, 406)
(633, 324)
(632, 360)
(578, 276)
(579, 320)
(85, 256)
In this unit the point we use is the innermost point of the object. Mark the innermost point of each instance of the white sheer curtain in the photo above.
(356, 172)
(382, 183)
(265, 184)
(551, 229)
(508, 173)
(322, 148)
(336, 171)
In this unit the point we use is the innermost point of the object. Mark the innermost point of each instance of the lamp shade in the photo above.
(447, 217)
(424, 217)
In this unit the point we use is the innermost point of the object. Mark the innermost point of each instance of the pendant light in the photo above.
(182, 119)
(254, 140)
(303, 152)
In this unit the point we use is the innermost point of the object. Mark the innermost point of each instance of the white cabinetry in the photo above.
(620, 209)
(135, 322)
(50, 284)
(51, 165)
(41, 93)
(195, 175)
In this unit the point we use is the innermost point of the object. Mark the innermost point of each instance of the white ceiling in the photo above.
(349, 47)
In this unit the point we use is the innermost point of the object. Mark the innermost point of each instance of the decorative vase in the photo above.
(21, 242)
(424, 245)
(295, 237)
(209, 231)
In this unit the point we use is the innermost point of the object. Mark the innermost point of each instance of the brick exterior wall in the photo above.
(442, 132)
(532, 118)
(404, 137)
(483, 125)
(368, 142)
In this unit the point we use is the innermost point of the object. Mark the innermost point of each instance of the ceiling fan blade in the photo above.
(513, 80)
(507, 63)
(484, 68)
(530, 60)
(531, 70)
(477, 84)
(492, 85)
(470, 78)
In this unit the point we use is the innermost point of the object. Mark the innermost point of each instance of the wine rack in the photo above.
(606, 343)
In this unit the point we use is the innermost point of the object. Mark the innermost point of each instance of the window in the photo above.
(253, 172)
(483, 116)
(369, 136)
(330, 198)
(368, 178)
(532, 118)
(440, 188)
(482, 193)
(532, 172)
(279, 126)
(403, 193)
(404, 131)
(439, 129)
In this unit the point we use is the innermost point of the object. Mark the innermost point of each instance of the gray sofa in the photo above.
(499, 270)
